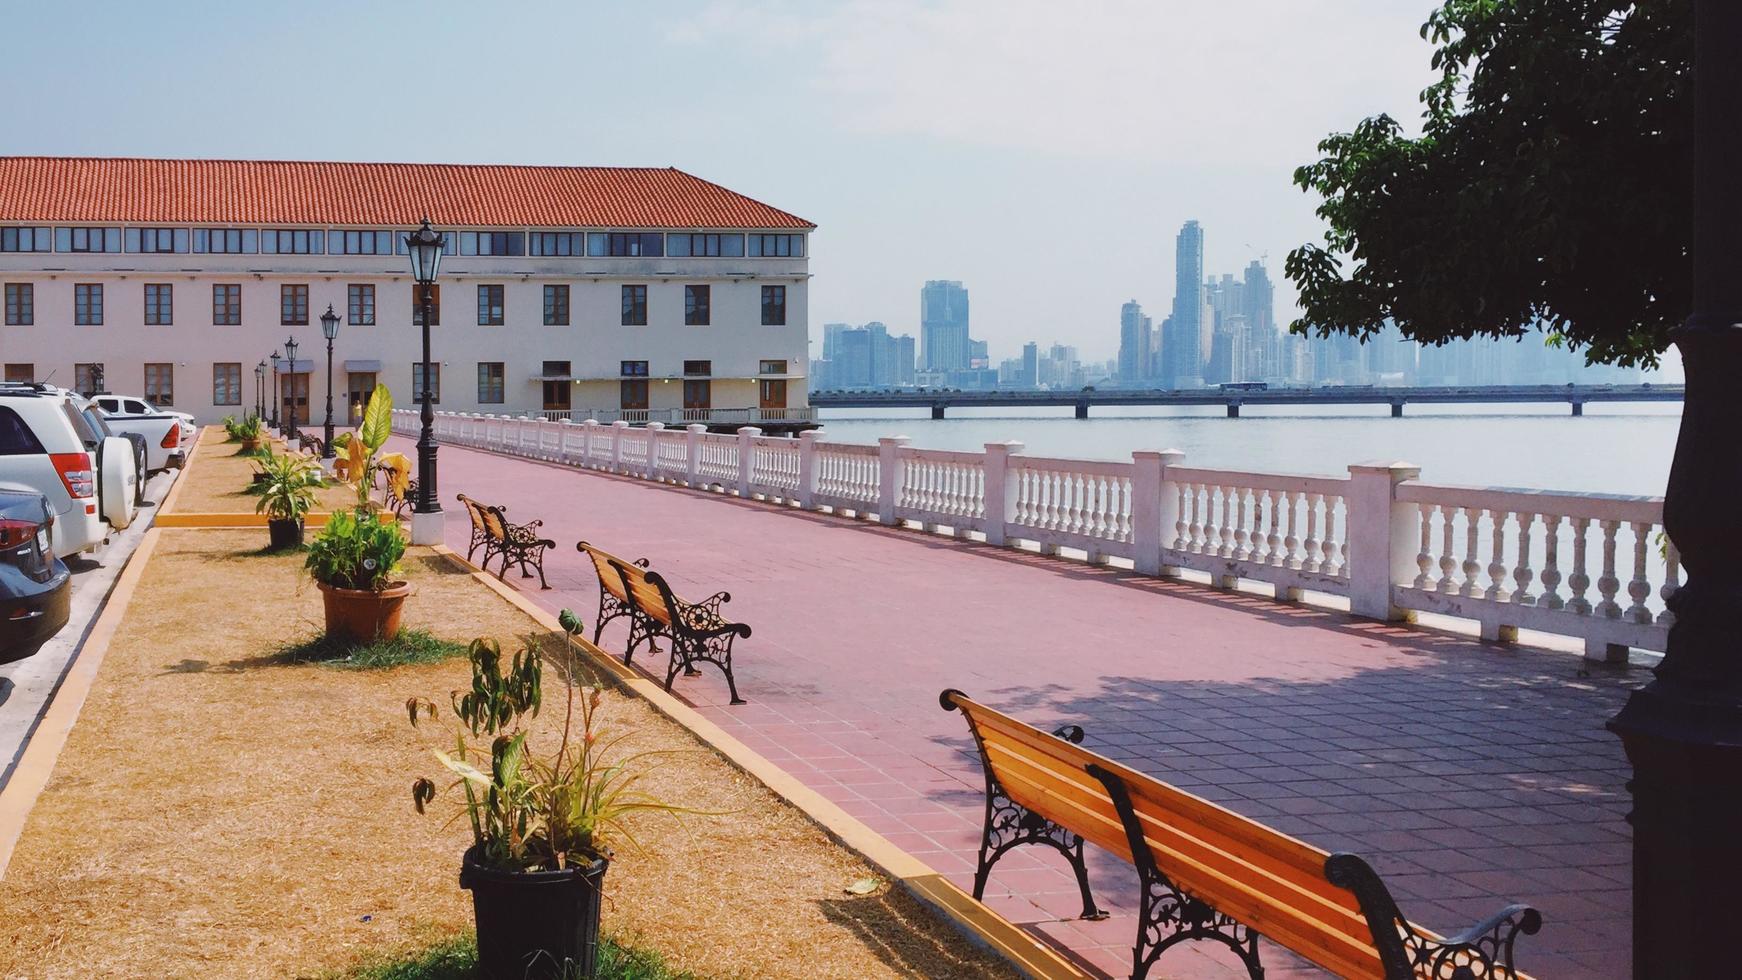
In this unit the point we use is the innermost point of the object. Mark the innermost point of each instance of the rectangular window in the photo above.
(776, 246)
(25, 240)
(492, 243)
(698, 369)
(635, 306)
(490, 382)
(695, 306)
(490, 311)
(632, 369)
(556, 306)
(24, 373)
(88, 304)
(774, 306)
(557, 243)
(159, 304)
(625, 244)
(360, 242)
(360, 304)
(227, 384)
(87, 239)
(88, 378)
(293, 305)
(632, 394)
(435, 305)
(435, 383)
(157, 240)
(227, 305)
(160, 384)
(20, 304)
(226, 241)
(293, 241)
(771, 367)
(709, 246)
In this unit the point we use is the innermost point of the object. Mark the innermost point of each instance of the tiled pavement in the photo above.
(1469, 774)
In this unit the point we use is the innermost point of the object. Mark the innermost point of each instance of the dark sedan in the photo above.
(35, 587)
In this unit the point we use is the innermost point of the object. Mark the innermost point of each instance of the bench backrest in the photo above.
(1265, 879)
(620, 578)
(647, 591)
(474, 510)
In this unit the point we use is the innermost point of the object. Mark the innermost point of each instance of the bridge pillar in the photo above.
(1578, 409)
(1233, 410)
(1082, 410)
(1397, 410)
(937, 410)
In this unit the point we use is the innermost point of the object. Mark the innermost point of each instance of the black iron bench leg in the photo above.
(684, 655)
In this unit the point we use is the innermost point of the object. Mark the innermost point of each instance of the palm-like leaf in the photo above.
(377, 418)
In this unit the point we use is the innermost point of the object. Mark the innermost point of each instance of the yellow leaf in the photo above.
(398, 473)
(359, 457)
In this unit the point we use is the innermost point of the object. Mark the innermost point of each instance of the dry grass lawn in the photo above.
(216, 480)
(217, 812)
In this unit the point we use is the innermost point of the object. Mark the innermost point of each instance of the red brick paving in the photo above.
(1469, 774)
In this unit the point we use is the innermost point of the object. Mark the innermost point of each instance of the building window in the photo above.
(490, 382)
(159, 240)
(25, 240)
(435, 305)
(227, 305)
(632, 394)
(708, 245)
(20, 304)
(293, 305)
(625, 244)
(360, 242)
(492, 243)
(435, 386)
(695, 305)
(771, 367)
(632, 369)
(698, 369)
(88, 378)
(292, 241)
(87, 239)
(558, 243)
(556, 306)
(360, 302)
(226, 241)
(698, 395)
(774, 306)
(776, 246)
(160, 384)
(159, 304)
(24, 373)
(490, 311)
(227, 384)
(635, 306)
(88, 304)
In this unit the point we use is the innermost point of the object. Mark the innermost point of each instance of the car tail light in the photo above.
(76, 474)
(15, 532)
(172, 438)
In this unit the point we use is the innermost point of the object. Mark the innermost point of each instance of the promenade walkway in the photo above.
(1468, 773)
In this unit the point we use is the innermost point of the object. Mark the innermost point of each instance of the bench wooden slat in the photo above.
(609, 580)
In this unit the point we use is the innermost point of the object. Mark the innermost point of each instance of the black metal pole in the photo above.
(426, 502)
(328, 453)
(290, 411)
(1683, 731)
(275, 387)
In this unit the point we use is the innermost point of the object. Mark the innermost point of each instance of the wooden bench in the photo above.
(513, 543)
(1207, 872)
(397, 504)
(697, 631)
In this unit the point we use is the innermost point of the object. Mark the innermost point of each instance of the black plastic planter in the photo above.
(284, 534)
(537, 925)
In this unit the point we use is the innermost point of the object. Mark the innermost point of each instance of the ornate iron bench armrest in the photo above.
(1406, 952)
(526, 535)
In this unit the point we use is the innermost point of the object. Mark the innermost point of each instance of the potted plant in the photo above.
(364, 460)
(354, 561)
(542, 824)
(287, 492)
(248, 431)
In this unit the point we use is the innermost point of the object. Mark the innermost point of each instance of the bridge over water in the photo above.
(940, 400)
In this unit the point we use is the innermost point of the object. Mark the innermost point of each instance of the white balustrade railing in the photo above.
(1589, 566)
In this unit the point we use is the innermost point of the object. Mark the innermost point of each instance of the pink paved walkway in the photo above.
(1468, 774)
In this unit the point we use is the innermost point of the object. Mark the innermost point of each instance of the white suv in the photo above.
(129, 405)
(46, 444)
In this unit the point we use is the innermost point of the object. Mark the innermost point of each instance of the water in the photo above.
(1614, 448)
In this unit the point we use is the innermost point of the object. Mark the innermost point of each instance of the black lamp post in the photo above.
(289, 405)
(260, 390)
(425, 247)
(275, 388)
(329, 327)
(1683, 731)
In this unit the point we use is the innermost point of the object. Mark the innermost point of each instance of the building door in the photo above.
(773, 392)
(295, 394)
(698, 394)
(632, 394)
(359, 385)
(557, 392)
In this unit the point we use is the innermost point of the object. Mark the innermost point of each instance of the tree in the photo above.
(1549, 185)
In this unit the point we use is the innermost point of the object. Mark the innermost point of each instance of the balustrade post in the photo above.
(1382, 535)
(1154, 508)
(746, 458)
(588, 428)
(999, 489)
(693, 453)
(889, 477)
(617, 429)
(807, 468)
(654, 430)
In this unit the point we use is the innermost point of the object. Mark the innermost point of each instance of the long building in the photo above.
(605, 292)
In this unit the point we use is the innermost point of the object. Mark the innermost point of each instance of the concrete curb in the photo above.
(932, 889)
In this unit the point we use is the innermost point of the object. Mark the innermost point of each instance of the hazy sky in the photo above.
(1045, 153)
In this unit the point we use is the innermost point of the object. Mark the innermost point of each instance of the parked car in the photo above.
(48, 445)
(167, 434)
(129, 405)
(35, 586)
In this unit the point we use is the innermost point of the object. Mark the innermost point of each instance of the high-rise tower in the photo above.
(943, 325)
(1182, 344)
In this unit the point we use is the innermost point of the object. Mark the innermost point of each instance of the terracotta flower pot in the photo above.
(362, 615)
(251, 445)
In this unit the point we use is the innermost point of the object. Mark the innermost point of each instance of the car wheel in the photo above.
(139, 480)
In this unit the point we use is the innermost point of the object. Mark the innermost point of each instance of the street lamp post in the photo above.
(290, 406)
(260, 389)
(329, 327)
(425, 249)
(275, 388)
(1683, 731)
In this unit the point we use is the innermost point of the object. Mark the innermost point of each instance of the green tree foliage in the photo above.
(1549, 185)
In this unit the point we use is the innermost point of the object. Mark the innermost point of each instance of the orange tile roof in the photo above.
(89, 189)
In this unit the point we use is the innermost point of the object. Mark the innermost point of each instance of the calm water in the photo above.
(1612, 449)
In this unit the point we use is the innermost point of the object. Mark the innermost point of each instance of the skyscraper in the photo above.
(1134, 343)
(1182, 342)
(943, 325)
(1031, 365)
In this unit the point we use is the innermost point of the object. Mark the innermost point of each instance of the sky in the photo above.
(1044, 153)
